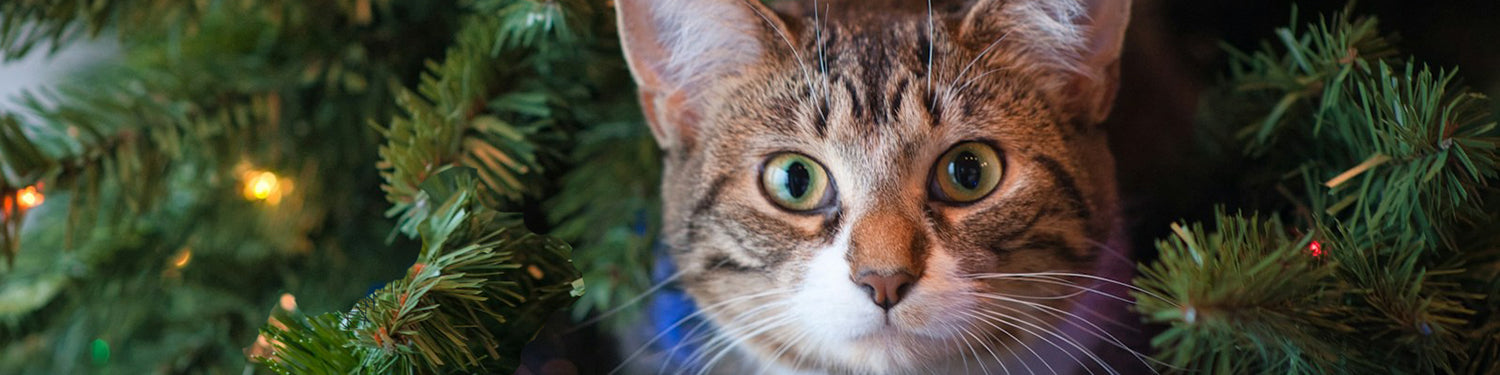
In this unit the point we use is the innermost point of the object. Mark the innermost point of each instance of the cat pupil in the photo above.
(797, 180)
(966, 170)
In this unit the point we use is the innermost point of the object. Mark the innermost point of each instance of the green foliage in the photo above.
(141, 159)
(1385, 168)
(1221, 306)
(478, 292)
(145, 158)
(436, 131)
(610, 202)
(533, 99)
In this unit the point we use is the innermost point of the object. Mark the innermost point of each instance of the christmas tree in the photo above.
(365, 174)
(1362, 238)
(336, 186)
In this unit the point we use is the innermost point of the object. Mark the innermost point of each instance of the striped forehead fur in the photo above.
(706, 38)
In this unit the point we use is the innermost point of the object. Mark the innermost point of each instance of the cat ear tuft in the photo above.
(1082, 38)
(678, 49)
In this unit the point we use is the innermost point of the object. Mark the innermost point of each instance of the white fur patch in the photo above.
(847, 330)
(828, 304)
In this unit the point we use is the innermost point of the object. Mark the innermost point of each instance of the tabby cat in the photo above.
(889, 186)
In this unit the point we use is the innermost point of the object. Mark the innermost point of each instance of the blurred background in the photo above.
(174, 255)
(1175, 51)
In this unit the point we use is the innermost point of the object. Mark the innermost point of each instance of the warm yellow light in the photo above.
(30, 197)
(261, 185)
(182, 258)
(288, 302)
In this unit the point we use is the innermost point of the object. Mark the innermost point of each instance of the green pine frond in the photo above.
(532, 98)
(1292, 75)
(447, 124)
(1441, 144)
(140, 157)
(478, 292)
(1385, 167)
(611, 203)
(1245, 288)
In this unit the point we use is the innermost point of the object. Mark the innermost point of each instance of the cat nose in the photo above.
(885, 290)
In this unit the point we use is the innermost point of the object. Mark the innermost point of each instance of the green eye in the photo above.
(795, 182)
(967, 172)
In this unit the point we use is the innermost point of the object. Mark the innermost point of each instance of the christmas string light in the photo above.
(260, 185)
(264, 346)
(30, 197)
(22, 200)
(264, 186)
(182, 258)
(288, 302)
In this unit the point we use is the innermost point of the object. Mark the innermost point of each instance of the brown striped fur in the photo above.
(875, 95)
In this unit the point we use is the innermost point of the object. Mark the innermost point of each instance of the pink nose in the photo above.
(885, 290)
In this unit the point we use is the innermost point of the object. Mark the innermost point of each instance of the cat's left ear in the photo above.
(1081, 38)
(679, 51)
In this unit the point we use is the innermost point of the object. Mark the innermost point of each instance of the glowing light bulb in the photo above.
(261, 185)
(1315, 248)
(182, 258)
(30, 197)
(288, 302)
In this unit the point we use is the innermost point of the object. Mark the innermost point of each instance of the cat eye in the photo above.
(967, 172)
(795, 182)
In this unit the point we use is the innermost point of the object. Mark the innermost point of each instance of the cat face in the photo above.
(878, 191)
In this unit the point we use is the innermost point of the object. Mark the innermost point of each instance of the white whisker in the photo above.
(732, 321)
(685, 319)
(822, 66)
(971, 348)
(1092, 329)
(976, 59)
(784, 346)
(970, 81)
(1052, 275)
(1002, 318)
(1112, 250)
(801, 65)
(1017, 340)
(736, 342)
(743, 321)
(1065, 283)
(931, 41)
(994, 355)
(632, 301)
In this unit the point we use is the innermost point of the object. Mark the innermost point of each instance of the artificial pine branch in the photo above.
(26, 25)
(447, 125)
(477, 293)
(1376, 273)
(531, 97)
(1217, 293)
(146, 150)
(198, 92)
(610, 202)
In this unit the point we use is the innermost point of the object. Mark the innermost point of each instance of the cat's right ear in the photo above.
(678, 49)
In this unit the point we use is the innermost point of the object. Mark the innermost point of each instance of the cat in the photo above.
(888, 186)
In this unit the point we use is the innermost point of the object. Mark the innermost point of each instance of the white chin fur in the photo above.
(845, 330)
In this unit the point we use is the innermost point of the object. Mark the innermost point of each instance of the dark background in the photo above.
(1174, 52)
